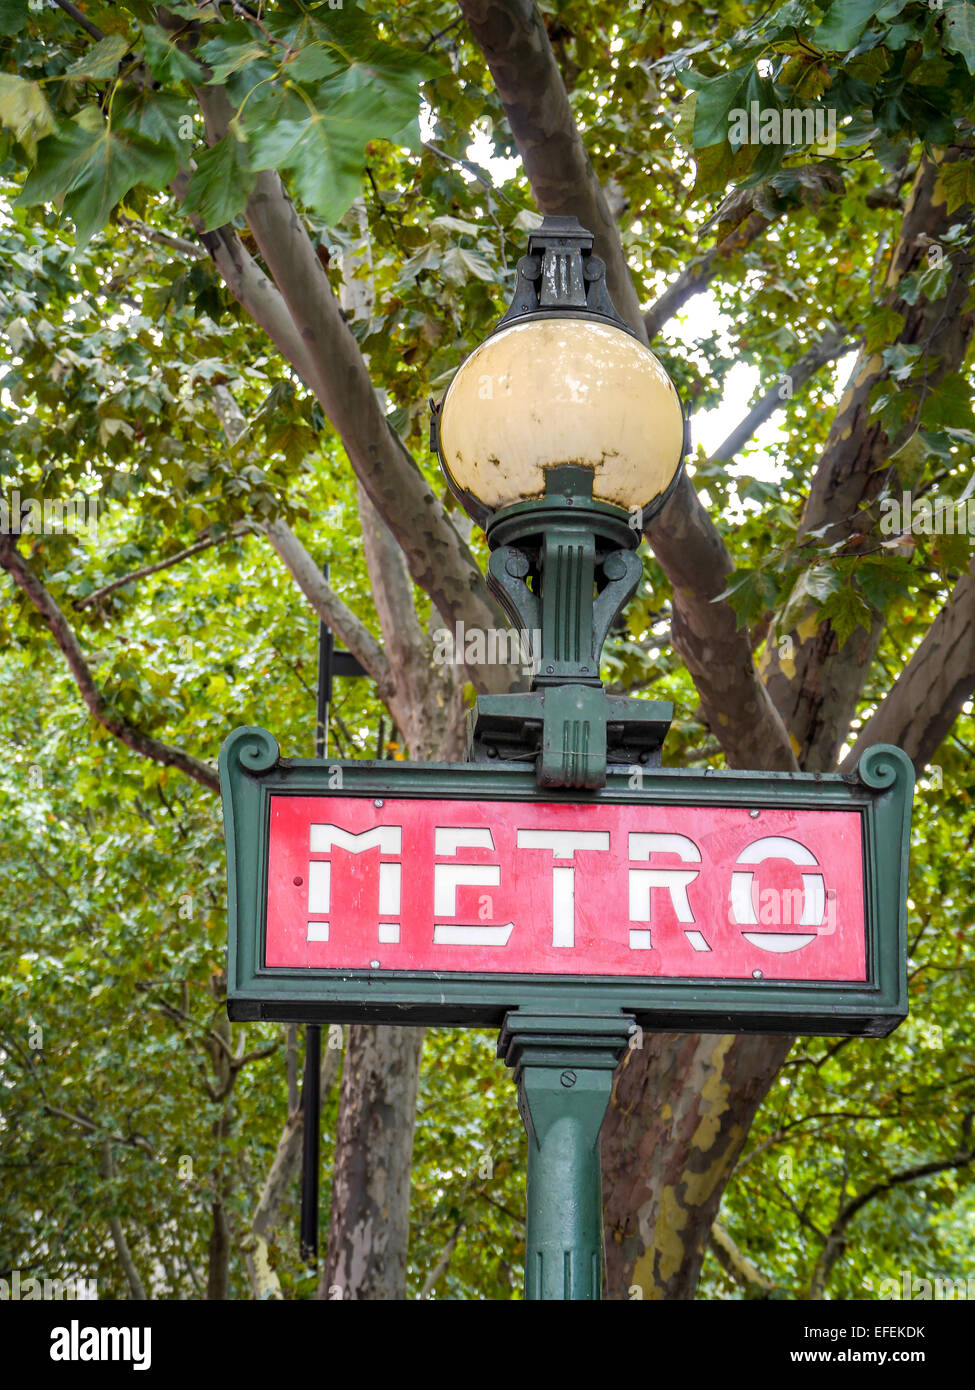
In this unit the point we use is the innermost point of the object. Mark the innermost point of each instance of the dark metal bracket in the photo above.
(562, 568)
(561, 274)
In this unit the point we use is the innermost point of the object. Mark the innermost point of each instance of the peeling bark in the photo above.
(368, 1238)
(681, 1110)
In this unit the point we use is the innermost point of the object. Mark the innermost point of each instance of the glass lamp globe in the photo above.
(557, 390)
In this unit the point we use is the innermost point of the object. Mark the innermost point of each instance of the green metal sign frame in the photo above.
(252, 771)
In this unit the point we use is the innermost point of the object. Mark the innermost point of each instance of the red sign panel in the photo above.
(535, 888)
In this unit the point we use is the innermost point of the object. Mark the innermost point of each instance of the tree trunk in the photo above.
(218, 1262)
(680, 1113)
(369, 1231)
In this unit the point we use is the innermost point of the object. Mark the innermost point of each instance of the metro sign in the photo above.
(548, 889)
(453, 894)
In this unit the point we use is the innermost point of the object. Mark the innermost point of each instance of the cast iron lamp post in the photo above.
(554, 429)
(562, 435)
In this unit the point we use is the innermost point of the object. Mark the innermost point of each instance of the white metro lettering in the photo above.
(563, 844)
(388, 839)
(655, 862)
(813, 894)
(447, 878)
(675, 881)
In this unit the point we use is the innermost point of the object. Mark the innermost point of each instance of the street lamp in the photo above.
(562, 435)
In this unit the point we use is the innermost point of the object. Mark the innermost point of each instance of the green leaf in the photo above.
(959, 30)
(458, 266)
(456, 225)
(270, 144)
(221, 183)
(910, 459)
(24, 110)
(952, 552)
(844, 23)
(957, 182)
(427, 258)
(757, 489)
(882, 578)
(14, 15)
(899, 359)
(101, 61)
(846, 610)
(949, 404)
(237, 46)
(409, 136)
(814, 585)
(157, 118)
(324, 153)
(750, 593)
(881, 325)
(391, 74)
(299, 25)
(167, 62)
(715, 100)
(893, 406)
(929, 283)
(92, 169)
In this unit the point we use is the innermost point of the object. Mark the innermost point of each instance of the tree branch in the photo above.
(836, 1240)
(85, 1122)
(99, 707)
(716, 652)
(698, 273)
(98, 594)
(329, 607)
(259, 297)
(737, 1264)
(80, 18)
(251, 288)
(516, 48)
(829, 347)
(167, 239)
(443, 1262)
(331, 363)
(136, 1287)
(406, 644)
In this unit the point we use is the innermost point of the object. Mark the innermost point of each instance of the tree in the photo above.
(186, 173)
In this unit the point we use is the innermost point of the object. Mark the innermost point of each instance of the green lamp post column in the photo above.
(562, 435)
(564, 1067)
